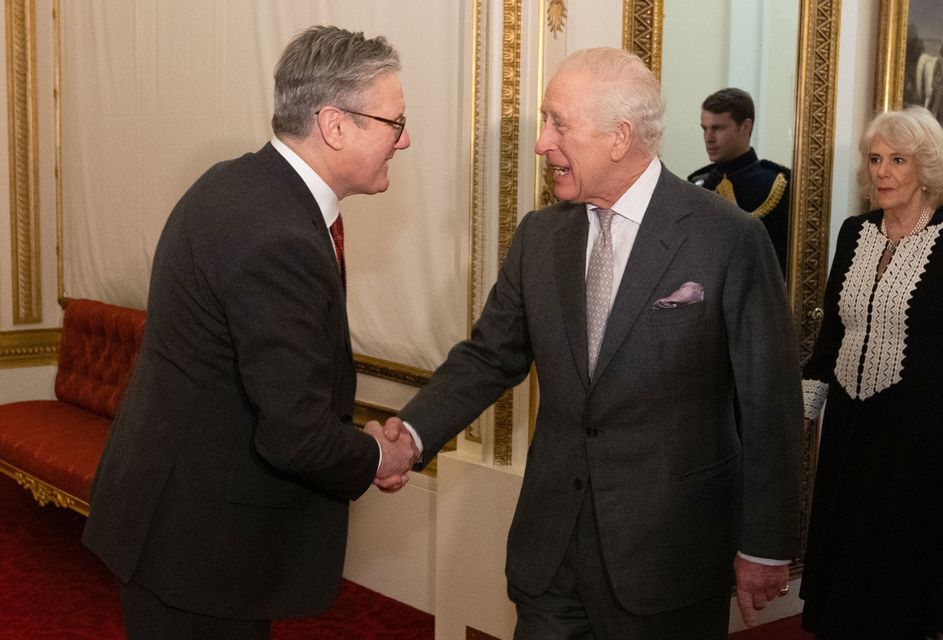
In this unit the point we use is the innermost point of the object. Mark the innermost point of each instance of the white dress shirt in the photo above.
(323, 194)
(629, 209)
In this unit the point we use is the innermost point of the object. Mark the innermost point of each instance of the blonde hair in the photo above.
(625, 91)
(913, 132)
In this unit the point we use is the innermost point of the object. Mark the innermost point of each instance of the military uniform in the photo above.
(759, 187)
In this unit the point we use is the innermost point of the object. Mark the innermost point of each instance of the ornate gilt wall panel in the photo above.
(24, 161)
(642, 22)
(28, 348)
(815, 117)
(508, 191)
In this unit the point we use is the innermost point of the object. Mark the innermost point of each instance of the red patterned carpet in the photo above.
(52, 588)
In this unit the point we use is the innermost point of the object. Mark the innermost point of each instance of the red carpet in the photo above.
(52, 588)
(787, 629)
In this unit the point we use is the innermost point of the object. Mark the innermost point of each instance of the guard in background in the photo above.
(759, 187)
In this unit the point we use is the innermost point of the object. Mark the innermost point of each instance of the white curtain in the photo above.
(153, 92)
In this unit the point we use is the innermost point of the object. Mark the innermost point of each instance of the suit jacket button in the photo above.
(347, 418)
(591, 432)
(578, 484)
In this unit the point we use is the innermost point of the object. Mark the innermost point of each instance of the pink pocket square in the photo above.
(689, 293)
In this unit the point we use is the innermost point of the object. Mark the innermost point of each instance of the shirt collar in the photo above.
(323, 195)
(633, 203)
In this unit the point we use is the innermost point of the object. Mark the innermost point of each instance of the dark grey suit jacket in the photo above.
(689, 432)
(225, 481)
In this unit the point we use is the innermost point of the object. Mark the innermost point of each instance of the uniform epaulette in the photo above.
(698, 177)
(778, 168)
(780, 183)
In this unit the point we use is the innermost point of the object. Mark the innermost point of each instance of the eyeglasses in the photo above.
(399, 125)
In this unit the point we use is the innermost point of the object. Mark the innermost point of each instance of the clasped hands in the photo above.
(399, 453)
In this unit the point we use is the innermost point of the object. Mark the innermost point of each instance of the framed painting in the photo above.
(910, 50)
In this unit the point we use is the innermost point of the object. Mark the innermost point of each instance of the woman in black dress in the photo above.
(874, 560)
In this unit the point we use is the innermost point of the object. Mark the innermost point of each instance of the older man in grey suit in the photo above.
(666, 453)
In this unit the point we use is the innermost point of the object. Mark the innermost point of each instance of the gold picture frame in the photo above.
(909, 69)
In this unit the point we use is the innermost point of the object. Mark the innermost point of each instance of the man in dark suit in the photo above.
(221, 498)
(759, 187)
(668, 432)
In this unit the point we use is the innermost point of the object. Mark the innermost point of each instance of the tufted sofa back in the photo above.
(96, 354)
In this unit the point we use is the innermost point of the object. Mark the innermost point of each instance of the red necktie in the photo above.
(337, 233)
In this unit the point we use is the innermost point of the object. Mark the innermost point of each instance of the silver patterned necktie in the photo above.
(599, 285)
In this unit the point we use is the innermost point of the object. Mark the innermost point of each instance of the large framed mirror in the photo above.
(797, 90)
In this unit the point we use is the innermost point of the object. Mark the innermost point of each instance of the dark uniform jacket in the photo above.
(759, 187)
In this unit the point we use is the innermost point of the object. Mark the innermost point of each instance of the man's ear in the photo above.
(332, 125)
(748, 123)
(622, 141)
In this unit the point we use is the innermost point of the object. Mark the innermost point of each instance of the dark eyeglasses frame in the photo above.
(399, 124)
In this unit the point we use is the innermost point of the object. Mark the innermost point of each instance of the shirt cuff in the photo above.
(767, 561)
(416, 439)
(814, 393)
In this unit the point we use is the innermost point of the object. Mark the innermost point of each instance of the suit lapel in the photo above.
(570, 268)
(658, 239)
(277, 166)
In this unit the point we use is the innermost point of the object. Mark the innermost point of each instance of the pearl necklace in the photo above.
(922, 221)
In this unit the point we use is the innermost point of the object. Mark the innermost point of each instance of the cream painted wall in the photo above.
(27, 383)
(695, 57)
(391, 543)
(712, 44)
(854, 106)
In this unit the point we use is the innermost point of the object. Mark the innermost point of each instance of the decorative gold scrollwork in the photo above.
(556, 16)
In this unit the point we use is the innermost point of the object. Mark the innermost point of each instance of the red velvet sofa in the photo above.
(52, 447)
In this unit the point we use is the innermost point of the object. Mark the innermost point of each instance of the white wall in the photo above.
(854, 106)
(712, 44)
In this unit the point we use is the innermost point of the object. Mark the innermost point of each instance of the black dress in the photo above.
(874, 560)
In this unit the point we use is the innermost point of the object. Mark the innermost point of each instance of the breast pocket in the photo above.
(677, 315)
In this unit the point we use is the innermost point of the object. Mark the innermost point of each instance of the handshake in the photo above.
(399, 453)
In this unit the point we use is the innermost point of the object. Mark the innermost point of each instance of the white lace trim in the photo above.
(886, 337)
(814, 393)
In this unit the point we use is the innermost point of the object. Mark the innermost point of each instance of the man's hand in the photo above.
(399, 453)
(757, 584)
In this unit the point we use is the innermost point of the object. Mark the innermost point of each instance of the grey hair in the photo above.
(326, 65)
(914, 132)
(625, 91)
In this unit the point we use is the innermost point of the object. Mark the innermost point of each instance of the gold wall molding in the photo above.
(30, 348)
(812, 164)
(389, 370)
(812, 172)
(508, 192)
(24, 160)
(477, 286)
(556, 16)
(478, 130)
(892, 49)
(642, 25)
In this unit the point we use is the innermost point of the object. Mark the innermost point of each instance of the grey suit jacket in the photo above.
(689, 432)
(225, 480)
